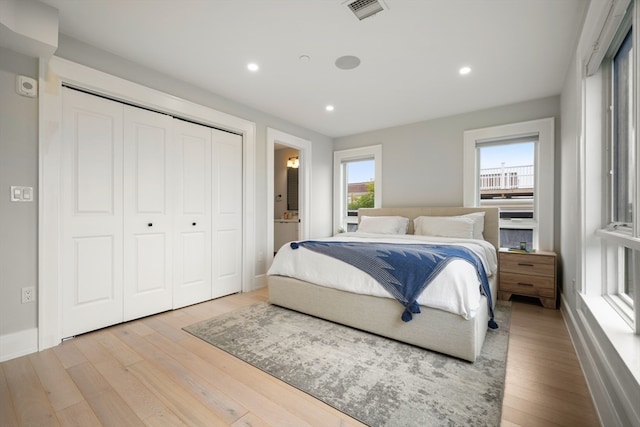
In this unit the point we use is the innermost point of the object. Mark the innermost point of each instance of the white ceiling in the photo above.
(410, 53)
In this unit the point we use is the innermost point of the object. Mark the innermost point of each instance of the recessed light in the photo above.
(329, 108)
(304, 58)
(464, 70)
(253, 67)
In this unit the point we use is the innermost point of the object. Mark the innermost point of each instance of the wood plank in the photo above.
(548, 413)
(55, 380)
(68, 354)
(7, 414)
(30, 402)
(118, 349)
(553, 397)
(250, 420)
(108, 406)
(144, 403)
(191, 411)
(78, 415)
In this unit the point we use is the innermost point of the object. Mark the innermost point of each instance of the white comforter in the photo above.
(456, 289)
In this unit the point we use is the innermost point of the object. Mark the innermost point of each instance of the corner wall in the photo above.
(422, 163)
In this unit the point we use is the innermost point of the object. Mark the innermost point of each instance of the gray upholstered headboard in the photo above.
(491, 219)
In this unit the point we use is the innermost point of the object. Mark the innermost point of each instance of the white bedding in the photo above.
(456, 289)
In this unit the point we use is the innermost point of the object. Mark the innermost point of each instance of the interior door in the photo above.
(192, 254)
(91, 212)
(227, 213)
(147, 213)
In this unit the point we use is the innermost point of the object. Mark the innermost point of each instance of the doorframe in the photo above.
(53, 73)
(304, 184)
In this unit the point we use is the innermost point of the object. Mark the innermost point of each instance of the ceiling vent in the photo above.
(365, 8)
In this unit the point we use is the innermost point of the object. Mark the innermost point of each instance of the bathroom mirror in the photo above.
(292, 189)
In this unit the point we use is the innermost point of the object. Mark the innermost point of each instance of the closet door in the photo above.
(192, 254)
(147, 213)
(91, 213)
(227, 212)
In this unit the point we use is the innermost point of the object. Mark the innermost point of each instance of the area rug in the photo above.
(378, 381)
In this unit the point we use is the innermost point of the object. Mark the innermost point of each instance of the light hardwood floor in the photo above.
(150, 372)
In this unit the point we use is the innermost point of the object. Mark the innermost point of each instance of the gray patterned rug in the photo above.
(378, 381)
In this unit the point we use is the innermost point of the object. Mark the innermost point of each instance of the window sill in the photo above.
(620, 237)
(617, 331)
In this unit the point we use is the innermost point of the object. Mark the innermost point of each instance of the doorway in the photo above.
(287, 146)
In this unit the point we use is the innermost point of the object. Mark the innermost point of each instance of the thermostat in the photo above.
(26, 86)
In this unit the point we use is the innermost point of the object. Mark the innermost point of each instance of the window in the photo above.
(512, 167)
(623, 153)
(357, 177)
(620, 232)
(507, 180)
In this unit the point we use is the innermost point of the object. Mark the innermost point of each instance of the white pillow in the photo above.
(478, 227)
(444, 226)
(383, 224)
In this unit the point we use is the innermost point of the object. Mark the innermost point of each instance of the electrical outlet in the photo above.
(28, 294)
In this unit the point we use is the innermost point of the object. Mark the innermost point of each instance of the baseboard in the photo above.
(259, 281)
(591, 355)
(18, 344)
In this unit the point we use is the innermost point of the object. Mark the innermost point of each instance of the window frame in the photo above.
(617, 237)
(544, 129)
(339, 185)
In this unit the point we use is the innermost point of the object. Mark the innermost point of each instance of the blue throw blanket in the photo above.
(404, 270)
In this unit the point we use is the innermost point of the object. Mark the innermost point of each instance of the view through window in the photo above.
(507, 180)
(360, 188)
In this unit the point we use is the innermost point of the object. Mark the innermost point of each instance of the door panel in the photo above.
(147, 213)
(94, 280)
(91, 213)
(192, 254)
(227, 213)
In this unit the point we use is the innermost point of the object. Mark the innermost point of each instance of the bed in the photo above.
(436, 329)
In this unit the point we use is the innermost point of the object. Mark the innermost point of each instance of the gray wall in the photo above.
(18, 166)
(422, 162)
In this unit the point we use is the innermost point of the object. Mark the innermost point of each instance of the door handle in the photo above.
(150, 224)
(194, 224)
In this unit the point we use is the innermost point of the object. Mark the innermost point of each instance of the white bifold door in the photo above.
(92, 215)
(150, 215)
(148, 219)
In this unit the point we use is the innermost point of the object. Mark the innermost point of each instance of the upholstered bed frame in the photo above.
(432, 329)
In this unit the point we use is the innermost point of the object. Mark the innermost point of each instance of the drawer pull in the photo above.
(524, 264)
(525, 284)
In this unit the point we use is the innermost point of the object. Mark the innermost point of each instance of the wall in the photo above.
(18, 221)
(19, 166)
(422, 162)
(607, 352)
(322, 147)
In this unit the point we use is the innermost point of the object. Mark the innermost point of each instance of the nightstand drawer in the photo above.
(528, 285)
(528, 264)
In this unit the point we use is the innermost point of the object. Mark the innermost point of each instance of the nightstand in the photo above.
(529, 274)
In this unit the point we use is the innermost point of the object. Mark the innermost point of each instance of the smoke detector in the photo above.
(365, 8)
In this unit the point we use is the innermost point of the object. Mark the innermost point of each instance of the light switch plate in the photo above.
(21, 194)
